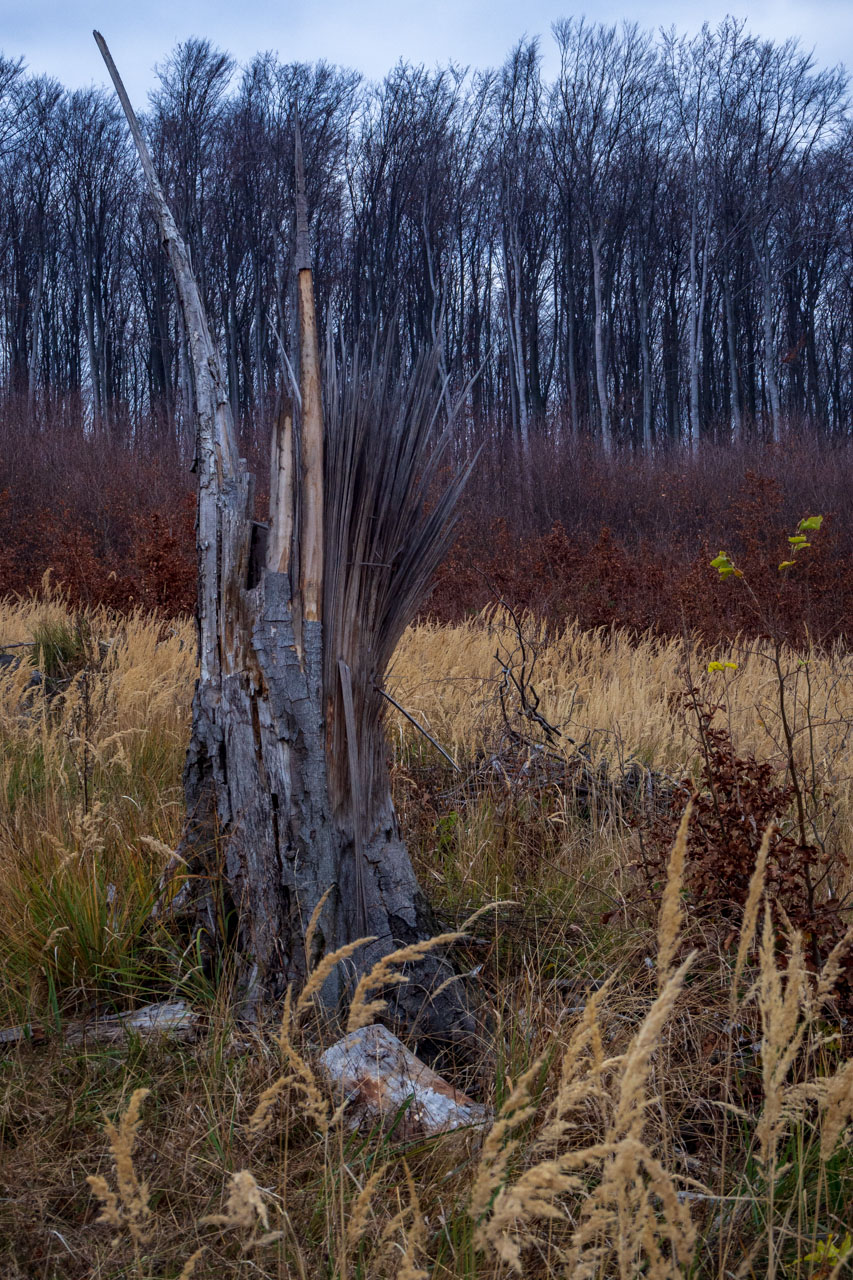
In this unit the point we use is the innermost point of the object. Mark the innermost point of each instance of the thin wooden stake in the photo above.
(311, 541)
(411, 719)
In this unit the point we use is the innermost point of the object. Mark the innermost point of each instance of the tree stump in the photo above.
(287, 784)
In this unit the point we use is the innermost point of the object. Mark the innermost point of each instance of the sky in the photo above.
(55, 36)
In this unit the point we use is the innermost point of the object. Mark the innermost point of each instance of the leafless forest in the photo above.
(640, 271)
(656, 245)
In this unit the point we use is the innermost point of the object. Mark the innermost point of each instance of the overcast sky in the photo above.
(54, 36)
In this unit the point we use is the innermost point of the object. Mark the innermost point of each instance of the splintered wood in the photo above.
(382, 1080)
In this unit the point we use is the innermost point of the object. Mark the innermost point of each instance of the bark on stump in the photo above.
(287, 786)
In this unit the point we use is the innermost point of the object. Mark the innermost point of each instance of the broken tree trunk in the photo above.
(286, 780)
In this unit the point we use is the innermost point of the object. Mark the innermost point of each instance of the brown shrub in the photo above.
(739, 798)
(621, 541)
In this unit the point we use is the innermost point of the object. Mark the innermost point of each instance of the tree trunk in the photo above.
(734, 378)
(286, 781)
(698, 296)
(770, 345)
(600, 371)
(257, 775)
(35, 349)
(645, 353)
(516, 344)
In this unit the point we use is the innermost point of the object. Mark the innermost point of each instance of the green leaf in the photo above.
(810, 524)
(724, 566)
(798, 540)
(828, 1251)
(786, 564)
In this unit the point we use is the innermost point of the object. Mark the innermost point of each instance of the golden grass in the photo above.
(663, 1107)
(90, 794)
(129, 1208)
(619, 693)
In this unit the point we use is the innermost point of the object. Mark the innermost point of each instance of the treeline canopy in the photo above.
(655, 244)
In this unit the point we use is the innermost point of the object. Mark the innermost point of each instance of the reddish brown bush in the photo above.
(110, 516)
(736, 799)
(622, 541)
(627, 541)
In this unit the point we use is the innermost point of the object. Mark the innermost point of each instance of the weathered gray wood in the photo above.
(281, 490)
(173, 1018)
(216, 451)
(279, 810)
(381, 1079)
(286, 844)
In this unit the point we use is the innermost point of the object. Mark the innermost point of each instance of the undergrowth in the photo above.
(670, 1071)
(609, 541)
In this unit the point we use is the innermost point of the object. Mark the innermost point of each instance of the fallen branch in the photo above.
(173, 1018)
(411, 719)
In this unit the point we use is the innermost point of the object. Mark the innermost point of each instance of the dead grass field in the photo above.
(673, 1093)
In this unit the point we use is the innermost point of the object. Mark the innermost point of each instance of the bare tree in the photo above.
(792, 108)
(604, 79)
(654, 245)
(522, 224)
(690, 83)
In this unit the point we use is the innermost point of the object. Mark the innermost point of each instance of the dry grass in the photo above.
(664, 1106)
(90, 794)
(616, 692)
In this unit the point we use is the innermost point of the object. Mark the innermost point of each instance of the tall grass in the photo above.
(90, 795)
(668, 1101)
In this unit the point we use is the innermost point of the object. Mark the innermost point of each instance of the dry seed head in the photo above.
(109, 1200)
(133, 1194)
(360, 1212)
(319, 975)
(269, 1237)
(621, 1214)
(484, 910)
(305, 1081)
(580, 1078)
(629, 1116)
(157, 846)
(671, 917)
(415, 1235)
(313, 922)
(301, 1077)
(260, 1116)
(533, 1196)
(837, 1109)
(398, 1221)
(498, 1145)
(244, 1206)
(190, 1264)
(385, 973)
(831, 971)
(783, 1029)
(750, 911)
